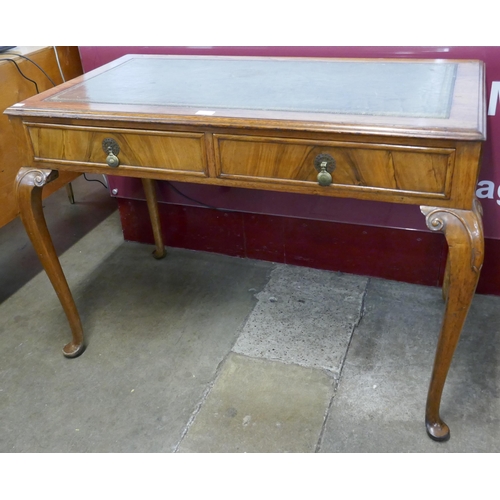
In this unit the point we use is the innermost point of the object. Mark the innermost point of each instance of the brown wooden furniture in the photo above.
(398, 131)
(14, 88)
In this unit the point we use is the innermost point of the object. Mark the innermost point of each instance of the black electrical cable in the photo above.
(191, 199)
(19, 69)
(94, 180)
(197, 201)
(32, 62)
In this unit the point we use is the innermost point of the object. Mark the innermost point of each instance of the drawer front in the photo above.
(388, 168)
(157, 150)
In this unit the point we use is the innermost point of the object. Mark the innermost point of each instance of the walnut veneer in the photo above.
(398, 131)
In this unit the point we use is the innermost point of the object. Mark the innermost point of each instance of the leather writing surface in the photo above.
(406, 89)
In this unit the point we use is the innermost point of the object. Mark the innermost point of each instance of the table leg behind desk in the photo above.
(464, 233)
(29, 185)
(149, 186)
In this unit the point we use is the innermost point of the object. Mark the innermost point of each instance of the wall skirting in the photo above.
(410, 256)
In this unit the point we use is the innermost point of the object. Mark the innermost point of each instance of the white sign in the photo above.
(494, 98)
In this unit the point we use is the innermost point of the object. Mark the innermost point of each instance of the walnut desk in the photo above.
(402, 131)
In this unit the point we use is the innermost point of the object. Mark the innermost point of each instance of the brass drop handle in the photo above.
(112, 160)
(111, 148)
(325, 165)
(324, 177)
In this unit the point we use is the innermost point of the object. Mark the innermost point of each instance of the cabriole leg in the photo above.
(464, 233)
(446, 280)
(29, 185)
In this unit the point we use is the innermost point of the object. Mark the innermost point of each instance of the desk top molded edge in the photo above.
(460, 127)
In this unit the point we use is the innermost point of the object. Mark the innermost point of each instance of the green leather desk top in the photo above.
(381, 88)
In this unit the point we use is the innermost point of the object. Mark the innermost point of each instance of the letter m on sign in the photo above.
(494, 98)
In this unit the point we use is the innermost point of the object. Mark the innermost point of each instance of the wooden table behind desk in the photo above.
(16, 88)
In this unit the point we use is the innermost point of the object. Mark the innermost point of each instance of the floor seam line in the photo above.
(337, 381)
(208, 389)
(200, 403)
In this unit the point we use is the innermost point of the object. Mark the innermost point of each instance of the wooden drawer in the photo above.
(157, 150)
(388, 168)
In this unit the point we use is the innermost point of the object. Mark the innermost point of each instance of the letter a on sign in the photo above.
(494, 97)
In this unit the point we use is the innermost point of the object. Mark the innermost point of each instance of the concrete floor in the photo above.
(206, 353)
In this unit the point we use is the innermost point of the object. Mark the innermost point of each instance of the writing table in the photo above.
(402, 131)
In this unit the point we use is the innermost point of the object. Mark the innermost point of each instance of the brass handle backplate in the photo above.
(325, 165)
(110, 146)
